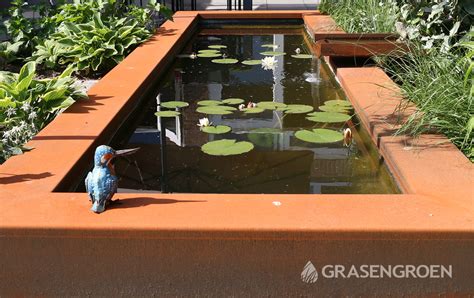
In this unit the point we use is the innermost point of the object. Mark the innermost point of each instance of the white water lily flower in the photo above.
(241, 107)
(269, 63)
(204, 122)
(251, 105)
(298, 51)
(193, 56)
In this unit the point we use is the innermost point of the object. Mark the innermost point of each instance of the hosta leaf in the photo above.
(225, 61)
(165, 114)
(233, 101)
(7, 103)
(319, 135)
(226, 147)
(54, 94)
(328, 117)
(219, 129)
(174, 104)
(27, 70)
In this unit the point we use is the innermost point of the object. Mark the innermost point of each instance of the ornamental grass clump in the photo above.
(363, 16)
(436, 82)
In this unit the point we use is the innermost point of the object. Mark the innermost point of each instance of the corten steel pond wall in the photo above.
(211, 244)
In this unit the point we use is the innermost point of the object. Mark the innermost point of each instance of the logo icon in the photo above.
(309, 274)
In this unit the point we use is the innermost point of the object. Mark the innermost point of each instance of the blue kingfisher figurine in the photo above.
(101, 182)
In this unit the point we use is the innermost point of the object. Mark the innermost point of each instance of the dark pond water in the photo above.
(279, 162)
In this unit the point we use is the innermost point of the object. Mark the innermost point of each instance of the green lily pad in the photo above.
(225, 61)
(233, 101)
(271, 105)
(174, 104)
(334, 109)
(297, 109)
(226, 147)
(209, 102)
(328, 117)
(209, 55)
(338, 102)
(252, 62)
(273, 53)
(252, 110)
(273, 46)
(216, 110)
(319, 135)
(167, 114)
(302, 56)
(217, 46)
(216, 129)
(208, 51)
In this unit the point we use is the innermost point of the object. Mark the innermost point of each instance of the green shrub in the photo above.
(91, 46)
(28, 104)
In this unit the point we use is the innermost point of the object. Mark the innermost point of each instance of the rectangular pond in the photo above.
(270, 148)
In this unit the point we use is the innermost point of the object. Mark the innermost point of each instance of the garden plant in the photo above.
(436, 72)
(43, 54)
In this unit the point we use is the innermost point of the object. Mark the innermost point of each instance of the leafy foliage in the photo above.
(92, 35)
(28, 104)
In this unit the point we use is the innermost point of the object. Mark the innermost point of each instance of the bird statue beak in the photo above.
(125, 152)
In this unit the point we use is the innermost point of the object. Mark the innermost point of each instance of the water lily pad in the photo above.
(167, 114)
(208, 51)
(252, 62)
(334, 109)
(252, 110)
(219, 129)
(302, 56)
(273, 46)
(297, 109)
(226, 147)
(225, 61)
(233, 101)
(174, 104)
(328, 117)
(215, 110)
(338, 102)
(271, 105)
(209, 102)
(319, 135)
(209, 55)
(273, 53)
(217, 46)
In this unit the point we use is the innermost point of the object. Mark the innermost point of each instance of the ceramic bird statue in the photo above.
(101, 182)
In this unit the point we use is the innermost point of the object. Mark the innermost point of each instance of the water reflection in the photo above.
(280, 163)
